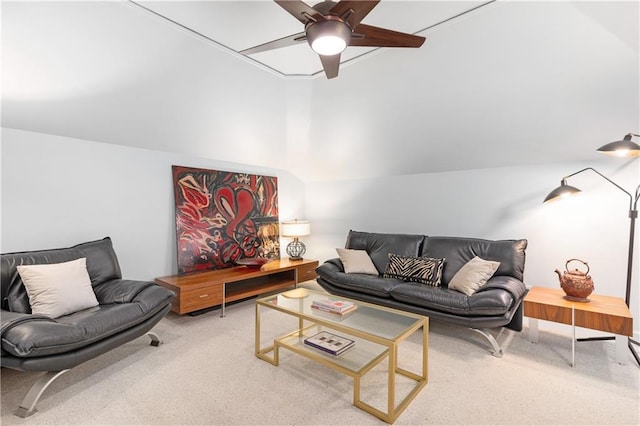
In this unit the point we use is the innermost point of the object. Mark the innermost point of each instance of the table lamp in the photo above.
(295, 229)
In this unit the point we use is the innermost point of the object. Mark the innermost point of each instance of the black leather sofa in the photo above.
(497, 303)
(127, 309)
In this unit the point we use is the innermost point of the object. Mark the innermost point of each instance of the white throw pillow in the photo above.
(473, 275)
(356, 261)
(58, 289)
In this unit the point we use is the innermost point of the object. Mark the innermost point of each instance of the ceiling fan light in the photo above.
(329, 37)
(328, 45)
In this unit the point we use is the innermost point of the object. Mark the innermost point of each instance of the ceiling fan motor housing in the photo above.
(329, 28)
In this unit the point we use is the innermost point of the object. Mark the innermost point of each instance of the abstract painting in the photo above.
(222, 217)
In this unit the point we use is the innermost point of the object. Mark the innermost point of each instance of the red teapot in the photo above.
(576, 284)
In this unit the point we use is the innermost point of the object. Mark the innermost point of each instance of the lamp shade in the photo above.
(624, 148)
(562, 191)
(295, 228)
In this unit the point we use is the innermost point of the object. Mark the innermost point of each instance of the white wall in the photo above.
(58, 191)
(503, 203)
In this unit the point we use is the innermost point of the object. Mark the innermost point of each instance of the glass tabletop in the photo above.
(376, 320)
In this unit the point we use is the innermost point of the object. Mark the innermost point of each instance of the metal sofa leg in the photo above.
(28, 405)
(155, 339)
(497, 350)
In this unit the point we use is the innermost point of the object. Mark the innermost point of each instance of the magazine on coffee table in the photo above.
(337, 306)
(346, 311)
(329, 342)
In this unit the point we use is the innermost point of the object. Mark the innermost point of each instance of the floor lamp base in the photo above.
(631, 343)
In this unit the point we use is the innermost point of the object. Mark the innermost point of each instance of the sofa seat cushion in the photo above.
(369, 284)
(40, 337)
(376, 285)
(492, 301)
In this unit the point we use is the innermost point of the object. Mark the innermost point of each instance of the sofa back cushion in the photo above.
(380, 245)
(102, 262)
(102, 265)
(458, 251)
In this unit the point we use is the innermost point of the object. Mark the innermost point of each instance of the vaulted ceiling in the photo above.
(495, 84)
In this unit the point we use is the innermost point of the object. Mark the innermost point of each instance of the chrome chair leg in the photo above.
(497, 350)
(28, 405)
(155, 339)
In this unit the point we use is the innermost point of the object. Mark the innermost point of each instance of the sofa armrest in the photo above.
(120, 291)
(512, 285)
(11, 319)
(330, 267)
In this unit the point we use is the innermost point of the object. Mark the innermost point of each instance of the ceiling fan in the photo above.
(329, 27)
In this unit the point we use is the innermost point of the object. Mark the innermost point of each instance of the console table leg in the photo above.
(224, 295)
(621, 349)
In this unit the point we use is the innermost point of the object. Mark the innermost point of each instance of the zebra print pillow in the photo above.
(424, 270)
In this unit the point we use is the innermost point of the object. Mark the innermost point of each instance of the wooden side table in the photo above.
(604, 313)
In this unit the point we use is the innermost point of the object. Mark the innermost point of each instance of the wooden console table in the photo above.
(204, 290)
(604, 313)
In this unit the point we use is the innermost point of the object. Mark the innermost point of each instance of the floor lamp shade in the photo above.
(624, 148)
(295, 229)
(562, 191)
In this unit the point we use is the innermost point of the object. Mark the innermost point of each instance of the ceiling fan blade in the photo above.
(381, 37)
(358, 9)
(331, 64)
(300, 10)
(276, 44)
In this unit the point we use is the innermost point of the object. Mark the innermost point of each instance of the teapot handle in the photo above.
(566, 266)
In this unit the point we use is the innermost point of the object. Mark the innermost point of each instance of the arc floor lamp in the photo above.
(622, 148)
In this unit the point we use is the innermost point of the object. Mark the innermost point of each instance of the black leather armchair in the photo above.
(127, 309)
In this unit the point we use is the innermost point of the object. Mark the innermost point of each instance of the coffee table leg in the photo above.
(393, 365)
(262, 352)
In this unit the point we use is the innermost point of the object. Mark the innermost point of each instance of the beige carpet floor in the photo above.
(206, 373)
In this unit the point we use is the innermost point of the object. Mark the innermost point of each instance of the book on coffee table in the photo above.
(334, 312)
(337, 306)
(329, 342)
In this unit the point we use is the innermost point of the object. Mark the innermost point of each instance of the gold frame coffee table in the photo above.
(378, 331)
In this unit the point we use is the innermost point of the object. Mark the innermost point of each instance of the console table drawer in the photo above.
(307, 272)
(193, 300)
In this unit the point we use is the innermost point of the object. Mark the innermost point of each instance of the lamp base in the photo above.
(295, 249)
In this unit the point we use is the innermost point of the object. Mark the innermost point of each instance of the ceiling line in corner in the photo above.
(444, 21)
(215, 43)
(273, 70)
